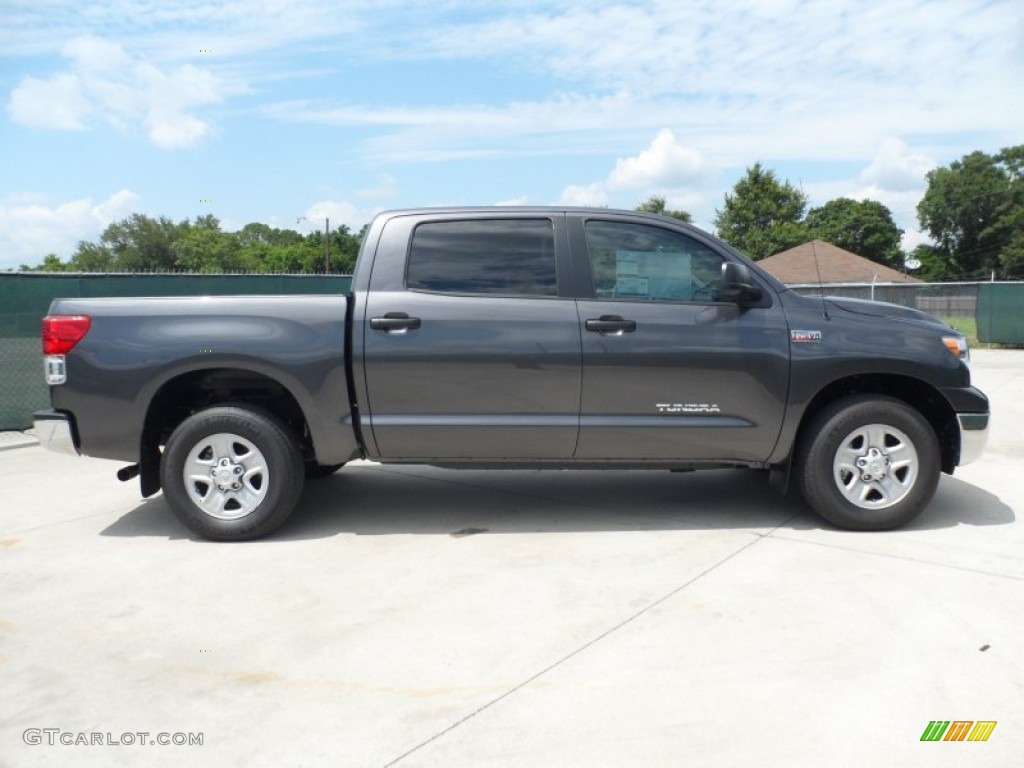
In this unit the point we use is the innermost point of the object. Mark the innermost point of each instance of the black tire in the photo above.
(316, 471)
(893, 489)
(258, 486)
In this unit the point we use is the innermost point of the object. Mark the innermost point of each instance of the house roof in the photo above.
(797, 265)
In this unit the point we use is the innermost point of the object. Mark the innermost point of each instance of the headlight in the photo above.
(957, 345)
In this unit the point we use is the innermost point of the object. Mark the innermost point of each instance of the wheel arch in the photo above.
(917, 393)
(191, 391)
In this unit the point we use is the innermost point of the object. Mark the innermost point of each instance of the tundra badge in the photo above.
(688, 408)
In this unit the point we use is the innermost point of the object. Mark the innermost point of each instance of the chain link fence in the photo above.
(982, 311)
(939, 299)
(956, 303)
(25, 299)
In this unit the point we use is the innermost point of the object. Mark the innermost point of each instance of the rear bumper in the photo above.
(973, 436)
(56, 432)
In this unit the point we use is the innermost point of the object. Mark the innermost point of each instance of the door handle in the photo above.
(611, 324)
(395, 321)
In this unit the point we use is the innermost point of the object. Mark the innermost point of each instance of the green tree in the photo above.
(762, 215)
(974, 211)
(203, 247)
(139, 243)
(865, 228)
(255, 234)
(657, 204)
(286, 258)
(932, 265)
(1008, 227)
(90, 257)
(344, 249)
(52, 263)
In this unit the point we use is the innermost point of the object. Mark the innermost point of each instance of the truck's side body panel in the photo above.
(851, 345)
(136, 346)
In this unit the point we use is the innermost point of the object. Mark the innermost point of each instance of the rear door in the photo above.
(671, 372)
(470, 350)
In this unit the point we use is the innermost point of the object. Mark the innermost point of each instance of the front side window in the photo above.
(510, 257)
(638, 262)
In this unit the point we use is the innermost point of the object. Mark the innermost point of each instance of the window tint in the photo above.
(506, 256)
(646, 263)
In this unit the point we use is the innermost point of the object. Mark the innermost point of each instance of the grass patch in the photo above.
(968, 326)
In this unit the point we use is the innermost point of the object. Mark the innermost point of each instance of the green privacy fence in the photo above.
(1001, 313)
(25, 299)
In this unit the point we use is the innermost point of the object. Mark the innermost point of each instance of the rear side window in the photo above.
(511, 257)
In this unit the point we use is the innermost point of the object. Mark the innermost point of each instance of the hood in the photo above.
(883, 309)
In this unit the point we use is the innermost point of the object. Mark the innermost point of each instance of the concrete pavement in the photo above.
(422, 617)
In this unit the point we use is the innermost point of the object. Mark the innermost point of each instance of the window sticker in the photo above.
(653, 274)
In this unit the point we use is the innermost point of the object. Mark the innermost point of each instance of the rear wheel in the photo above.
(868, 463)
(231, 473)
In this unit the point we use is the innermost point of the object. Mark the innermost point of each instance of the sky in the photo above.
(288, 112)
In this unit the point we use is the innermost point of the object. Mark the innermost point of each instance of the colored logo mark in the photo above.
(804, 337)
(958, 730)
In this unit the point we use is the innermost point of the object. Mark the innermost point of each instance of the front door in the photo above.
(671, 372)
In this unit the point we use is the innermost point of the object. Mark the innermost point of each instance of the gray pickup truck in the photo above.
(515, 338)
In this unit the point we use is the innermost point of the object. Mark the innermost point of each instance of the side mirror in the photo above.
(737, 284)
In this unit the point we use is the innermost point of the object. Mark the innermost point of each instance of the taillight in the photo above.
(62, 332)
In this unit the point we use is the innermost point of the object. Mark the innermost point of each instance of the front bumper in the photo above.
(56, 432)
(973, 436)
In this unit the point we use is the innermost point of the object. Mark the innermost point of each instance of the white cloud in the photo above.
(897, 168)
(663, 165)
(55, 103)
(31, 230)
(118, 206)
(895, 177)
(338, 211)
(663, 168)
(104, 84)
(739, 79)
(521, 200)
(912, 238)
(591, 194)
(176, 29)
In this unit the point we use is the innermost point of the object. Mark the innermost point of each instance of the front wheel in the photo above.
(231, 473)
(868, 463)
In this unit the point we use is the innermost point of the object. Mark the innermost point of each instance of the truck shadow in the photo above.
(373, 500)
